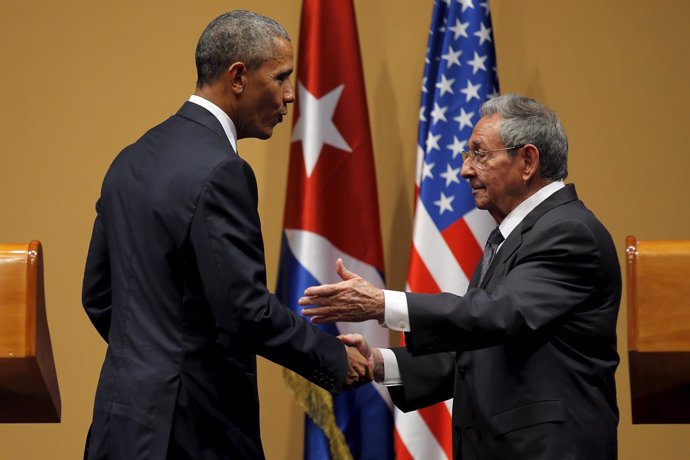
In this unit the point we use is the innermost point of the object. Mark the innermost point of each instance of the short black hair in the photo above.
(236, 36)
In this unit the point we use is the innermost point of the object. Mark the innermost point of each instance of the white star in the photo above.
(493, 93)
(453, 57)
(460, 29)
(421, 114)
(471, 91)
(442, 28)
(315, 125)
(457, 147)
(426, 170)
(478, 63)
(432, 142)
(483, 33)
(466, 4)
(424, 84)
(464, 119)
(485, 5)
(445, 85)
(444, 203)
(439, 113)
(451, 175)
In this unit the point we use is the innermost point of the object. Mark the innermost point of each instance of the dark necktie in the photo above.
(495, 239)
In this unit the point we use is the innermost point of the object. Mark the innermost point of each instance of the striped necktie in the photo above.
(494, 241)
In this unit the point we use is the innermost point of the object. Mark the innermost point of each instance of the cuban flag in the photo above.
(331, 211)
(449, 232)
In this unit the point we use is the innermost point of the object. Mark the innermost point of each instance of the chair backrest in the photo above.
(18, 298)
(658, 295)
(28, 381)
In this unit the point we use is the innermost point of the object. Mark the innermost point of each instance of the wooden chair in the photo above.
(658, 297)
(28, 382)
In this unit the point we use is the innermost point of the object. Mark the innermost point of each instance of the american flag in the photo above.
(331, 211)
(449, 232)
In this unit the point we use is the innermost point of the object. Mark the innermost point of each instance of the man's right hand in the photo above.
(373, 355)
(358, 370)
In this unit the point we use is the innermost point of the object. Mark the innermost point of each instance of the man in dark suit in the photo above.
(529, 352)
(175, 276)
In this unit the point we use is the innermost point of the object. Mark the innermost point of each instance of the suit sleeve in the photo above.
(227, 242)
(426, 380)
(553, 273)
(96, 288)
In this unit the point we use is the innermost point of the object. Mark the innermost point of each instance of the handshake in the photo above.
(353, 299)
(364, 363)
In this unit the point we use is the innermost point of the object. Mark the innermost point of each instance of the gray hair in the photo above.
(526, 121)
(236, 36)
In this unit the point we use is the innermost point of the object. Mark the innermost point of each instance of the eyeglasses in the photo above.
(480, 156)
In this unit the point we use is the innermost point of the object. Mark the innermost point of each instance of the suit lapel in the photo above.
(476, 275)
(514, 240)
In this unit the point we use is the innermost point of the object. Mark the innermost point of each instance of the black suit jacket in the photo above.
(175, 283)
(529, 356)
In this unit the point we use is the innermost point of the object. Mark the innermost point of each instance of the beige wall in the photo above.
(81, 79)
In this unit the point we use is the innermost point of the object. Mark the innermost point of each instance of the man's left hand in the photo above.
(354, 299)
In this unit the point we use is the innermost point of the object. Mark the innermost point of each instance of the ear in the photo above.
(530, 157)
(236, 78)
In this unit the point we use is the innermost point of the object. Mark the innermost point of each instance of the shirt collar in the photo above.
(516, 216)
(223, 118)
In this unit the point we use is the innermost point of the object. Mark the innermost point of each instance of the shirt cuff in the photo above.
(396, 315)
(391, 371)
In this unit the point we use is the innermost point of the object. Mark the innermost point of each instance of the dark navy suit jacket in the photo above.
(529, 356)
(175, 283)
